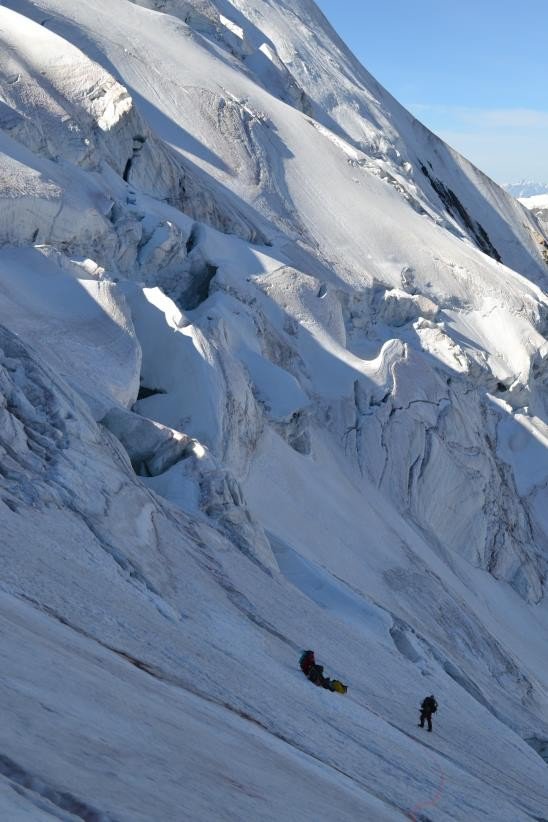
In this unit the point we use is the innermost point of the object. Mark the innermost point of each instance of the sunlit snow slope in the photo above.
(273, 370)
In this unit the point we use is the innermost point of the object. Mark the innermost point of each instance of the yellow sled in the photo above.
(338, 686)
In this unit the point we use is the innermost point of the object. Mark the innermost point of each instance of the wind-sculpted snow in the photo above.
(272, 376)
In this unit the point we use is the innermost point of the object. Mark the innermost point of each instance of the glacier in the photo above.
(274, 376)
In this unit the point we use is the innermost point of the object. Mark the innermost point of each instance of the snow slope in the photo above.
(273, 366)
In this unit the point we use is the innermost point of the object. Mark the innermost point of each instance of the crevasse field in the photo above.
(273, 376)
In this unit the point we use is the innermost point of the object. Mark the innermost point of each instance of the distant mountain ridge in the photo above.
(526, 188)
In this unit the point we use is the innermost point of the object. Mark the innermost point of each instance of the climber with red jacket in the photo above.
(314, 673)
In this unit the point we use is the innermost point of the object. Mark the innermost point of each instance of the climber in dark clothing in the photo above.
(314, 672)
(429, 706)
(316, 676)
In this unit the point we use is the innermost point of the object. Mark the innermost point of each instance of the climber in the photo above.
(429, 706)
(314, 673)
(316, 676)
(307, 661)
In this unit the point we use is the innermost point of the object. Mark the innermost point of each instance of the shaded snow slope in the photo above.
(273, 369)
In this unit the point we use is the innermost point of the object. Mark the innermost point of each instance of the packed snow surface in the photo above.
(273, 370)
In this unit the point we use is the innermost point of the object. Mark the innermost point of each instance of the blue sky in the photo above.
(474, 71)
